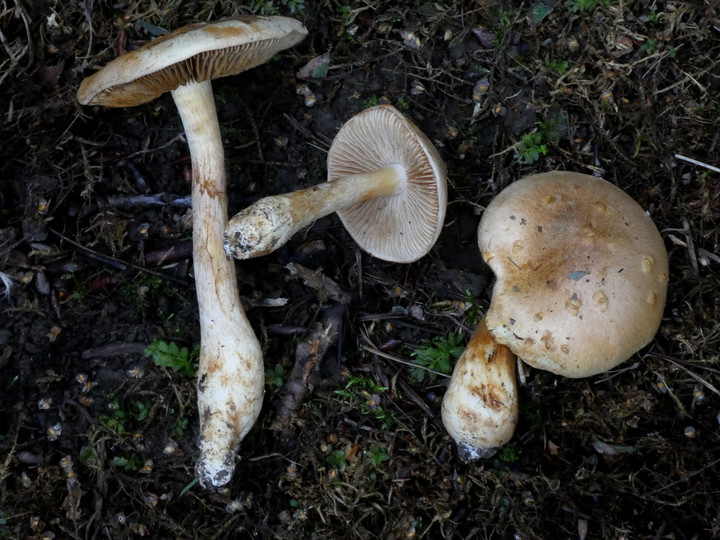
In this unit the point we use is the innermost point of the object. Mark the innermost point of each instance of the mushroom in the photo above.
(581, 279)
(230, 377)
(480, 407)
(386, 181)
(581, 273)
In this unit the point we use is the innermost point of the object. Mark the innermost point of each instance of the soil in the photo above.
(98, 437)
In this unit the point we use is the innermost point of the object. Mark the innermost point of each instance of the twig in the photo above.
(116, 263)
(695, 376)
(325, 286)
(696, 162)
(683, 479)
(369, 347)
(305, 372)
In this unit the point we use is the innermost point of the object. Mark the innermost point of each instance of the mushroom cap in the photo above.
(581, 273)
(403, 227)
(197, 52)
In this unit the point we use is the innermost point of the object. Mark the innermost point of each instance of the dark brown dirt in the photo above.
(96, 440)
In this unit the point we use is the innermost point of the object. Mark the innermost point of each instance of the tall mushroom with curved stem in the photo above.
(230, 376)
(386, 181)
(581, 280)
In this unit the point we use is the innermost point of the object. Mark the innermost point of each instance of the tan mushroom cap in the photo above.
(403, 227)
(197, 52)
(581, 272)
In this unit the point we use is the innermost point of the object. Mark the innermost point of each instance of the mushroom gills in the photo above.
(269, 223)
(385, 180)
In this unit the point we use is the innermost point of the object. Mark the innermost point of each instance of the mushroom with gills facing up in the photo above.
(230, 375)
(581, 277)
(386, 181)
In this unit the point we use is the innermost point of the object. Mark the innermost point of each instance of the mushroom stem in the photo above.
(270, 222)
(480, 406)
(230, 376)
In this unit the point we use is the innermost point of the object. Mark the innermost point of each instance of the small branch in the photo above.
(305, 372)
(116, 263)
(369, 347)
(698, 163)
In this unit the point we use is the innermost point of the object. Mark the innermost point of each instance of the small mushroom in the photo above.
(386, 181)
(581, 273)
(581, 279)
(230, 377)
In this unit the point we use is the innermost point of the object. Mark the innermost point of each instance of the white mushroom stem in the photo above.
(270, 222)
(480, 406)
(230, 377)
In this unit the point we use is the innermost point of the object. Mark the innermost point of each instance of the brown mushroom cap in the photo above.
(197, 52)
(403, 227)
(581, 272)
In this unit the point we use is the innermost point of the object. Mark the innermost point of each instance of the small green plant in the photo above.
(359, 383)
(169, 355)
(650, 46)
(337, 459)
(117, 419)
(585, 6)
(364, 390)
(274, 376)
(371, 101)
(403, 103)
(180, 426)
(294, 5)
(438, 355)
(120, 417)
(531, 147)
(508, 454)
(377, 455)
(133, 463)
(142, 410)
(263, 7)
(88, 456)
(346, 14)
(552, 128)
(472, 311)
(501, 21)
(654, 16)
(559, 67)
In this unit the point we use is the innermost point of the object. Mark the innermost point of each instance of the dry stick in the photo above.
(694, 375)
(116, 263)
(369, 347)
(683, 479)
(308, 356)
(696, 162)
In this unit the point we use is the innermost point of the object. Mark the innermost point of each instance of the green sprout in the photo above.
(585, 6)
(472, 311)
(337, 459)
(377, 455)
(120, 417)
(436, 355)
(133, 463)
(371, 101)
(293, 5)
(169, 355)
(366, 392)
(274, 376)
(531, 147)
(180, 426)
(559, 67)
